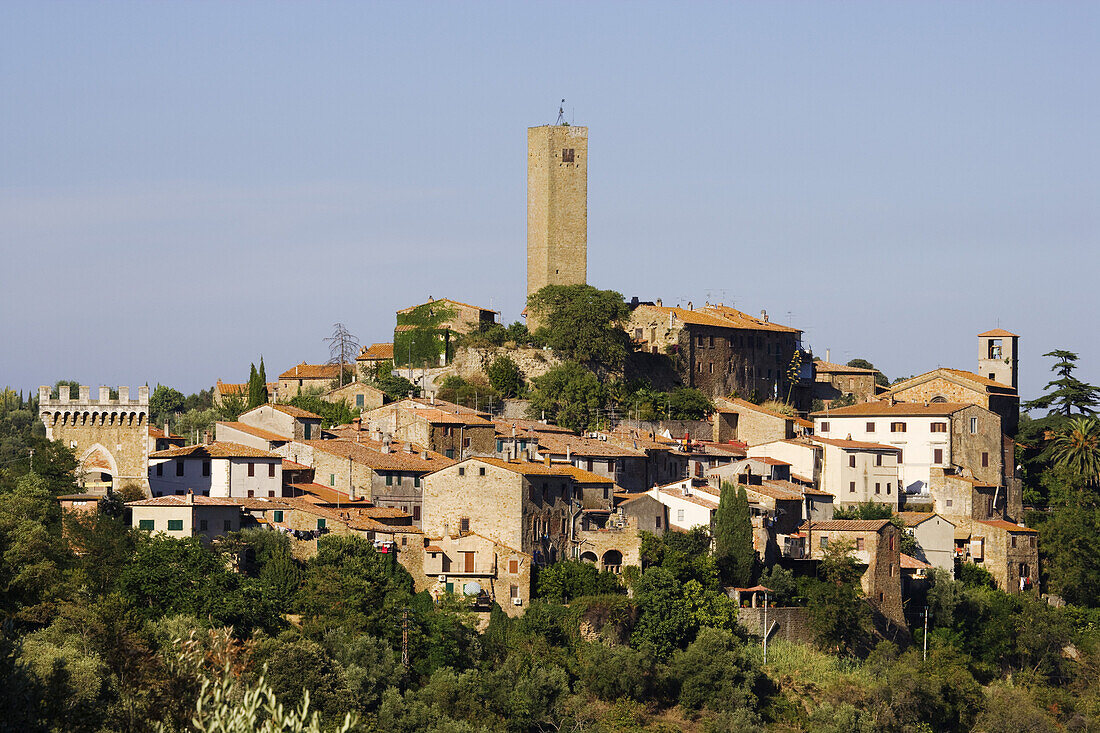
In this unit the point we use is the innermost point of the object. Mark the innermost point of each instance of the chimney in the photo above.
(409, 448)
(190, 497)
(659, 304)
(205, 437)
(547, 460)
(691, 307)
(827, 356)
(431, 398)
(166, 433)
(568, 453)
(357, 424)
(764, 316)
(425, 456)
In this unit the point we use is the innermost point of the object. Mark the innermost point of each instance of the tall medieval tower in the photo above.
(557, 206)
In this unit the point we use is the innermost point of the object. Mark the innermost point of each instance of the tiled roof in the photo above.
(1007, 526)
(376, 352)
(178, 500)
(846, 525)
(558, 443)
(774, 490)
(292, 466)
(504, 427)
(719, 316)
(446, 300)
(830, 368)
(584, 477)
(295, 411)
(912, 563)
(679, 494)
(998, 333)
(854, 444)
(159, 433)
(368, 524)
(978, 378)
(224, 388)
(436, 416)
(217, 449)
(319, 493)
(369, 453)
(737, 402)
(313, 371)
(944, 372)
(885, 409)
(258, 432)
(527, 468)
(912, 519)
(438, 404)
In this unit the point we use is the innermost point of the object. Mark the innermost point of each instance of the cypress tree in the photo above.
(733, 548)
(255, 397)
(263, 380)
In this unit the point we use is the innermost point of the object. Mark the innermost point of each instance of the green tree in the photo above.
(715, 672)
(837, 609)
(1066, 394)
(583, 323)
(570, 395)
(1076, 448)
(164, 402)
(332, 413)
(563, 581)
(257, 389)
(505, 376)
(395, 387)
(733, 550)
(687, 403)
(864, 510)
(880, 378)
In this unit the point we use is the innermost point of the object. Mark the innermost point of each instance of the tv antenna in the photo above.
(561, 113)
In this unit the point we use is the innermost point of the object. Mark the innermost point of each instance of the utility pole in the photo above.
(765, 627)
(405, 636)
(926, 633)
(32, 460)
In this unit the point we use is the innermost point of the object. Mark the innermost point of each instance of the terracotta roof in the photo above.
(885, 409)
(258, 432)
(719, 317)
(558, 443)
(774, 490)
(978, 378)
(830, 368)
(313, 371)
(998, 333)
(216, 449)
(295, 411)
(304, 505)
(78, 497)
(292, 466)
(774, 461)
(912, 563)
(376, 352)
(1007, 526)
(679, 494)
(452, 407)
(962, 533)
(369, 453)
(367, 524)
(225, 388)
(159, 433)
(527, 468)
(745, 404)
(970, 480)
(436, 416)
(319, 493)
(846, 525)
(948, 373)
(504, 427)
(446, 300)
(584, 477)
(433, 548)
(178, 500)
(912, 519)
(854, 444)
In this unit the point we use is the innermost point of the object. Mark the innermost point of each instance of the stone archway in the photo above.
(97, 468)
(589, 557)
(613, 561)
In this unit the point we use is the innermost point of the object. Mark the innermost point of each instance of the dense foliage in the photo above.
(583, 323)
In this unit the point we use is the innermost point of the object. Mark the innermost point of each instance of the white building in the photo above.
(690, 503)
(186, 516)
(228, 470)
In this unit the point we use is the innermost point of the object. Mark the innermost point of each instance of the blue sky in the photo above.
(187, 186)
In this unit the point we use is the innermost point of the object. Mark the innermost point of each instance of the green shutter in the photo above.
(389, 479)
(320, 523)
(416, 482)
(146, 524)
(277, 515)
(332, 479)
(175, 525)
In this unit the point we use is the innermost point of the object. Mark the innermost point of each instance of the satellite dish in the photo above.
(472, 588)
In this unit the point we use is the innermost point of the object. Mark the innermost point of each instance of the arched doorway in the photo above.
(613, 561)
(589, 557)
(97, 469)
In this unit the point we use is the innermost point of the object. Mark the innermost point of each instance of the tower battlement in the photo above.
(85, 399)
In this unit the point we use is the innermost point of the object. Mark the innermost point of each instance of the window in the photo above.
(464, 524)
(900, 453)
(206, 468)
(878, 459)
(332, 479)
(892, 541)
(271, 492)
(320, 522)
(887, 488)
(712, 342)
(203, 525)
(359, 400)
(251, 469)
(825, 427)
(404, 541)
(937, 455)
(567, 155)
(399, 477)
(1031, 541)
(679, 515)
(870, 427)
(985, 460)
(897, 427)
(179, 468)
(949, 502)
(461, 470)
(271, 470)
(307, 429)
(878, 488)
(146, 524)
(973, 426)
(851, 461)
(227, 525)
(481, 471)
(175, 525)
(416, 482)
(277, 515)
(824, 541)
(657, 523)
(251, 493)
(939, 427)
(851, 487)
(160, 469)
(449, 453)
(513, 591)
(416, 512)
(891, 570)
(500, 445)
(513, 567)
(1012, 538)
(859, 544)
(389, 478)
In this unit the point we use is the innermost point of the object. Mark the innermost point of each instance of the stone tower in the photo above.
(557, 206)
(998, 356)
(109, 437)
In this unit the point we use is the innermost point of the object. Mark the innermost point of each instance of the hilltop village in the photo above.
(470, 458)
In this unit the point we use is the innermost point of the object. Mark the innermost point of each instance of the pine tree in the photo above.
(733, 548)
(263, 380)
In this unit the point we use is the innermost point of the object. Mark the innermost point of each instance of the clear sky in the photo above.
(186, 186)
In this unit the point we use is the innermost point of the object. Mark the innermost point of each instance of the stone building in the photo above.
(469, 563)
(437, 425)
(935, 538)
(557, 207)
(833, 381)
(965, 499)
(721, 350)
(287, 421)
(372, 357)
(186, 516)
(742, 421)
(928, 436)
(1010, 552)
(310, 378)
(357, 395)
(110, 437)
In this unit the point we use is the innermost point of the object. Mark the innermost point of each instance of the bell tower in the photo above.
(557, 206)
(998, 358)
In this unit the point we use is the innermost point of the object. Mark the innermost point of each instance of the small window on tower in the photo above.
(567, 155)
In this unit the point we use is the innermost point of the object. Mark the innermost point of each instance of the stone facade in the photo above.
(357, 395)
(999, 357)
(793, 623)
(1009, 552)
(451, 562)
(290, 422)
(961, 387)
(557, 207)
(110, 437)
(186, 516)
(315, 378)
(742, 421)
(720, 350)
(964, 500)
(876, 544)
(832, 381)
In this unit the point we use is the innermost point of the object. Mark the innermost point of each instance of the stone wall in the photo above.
(107, 436)
(793, 623)
(470, 363)
(967, 448)
(557, 206)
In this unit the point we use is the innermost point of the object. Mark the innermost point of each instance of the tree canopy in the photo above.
(583, 323)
